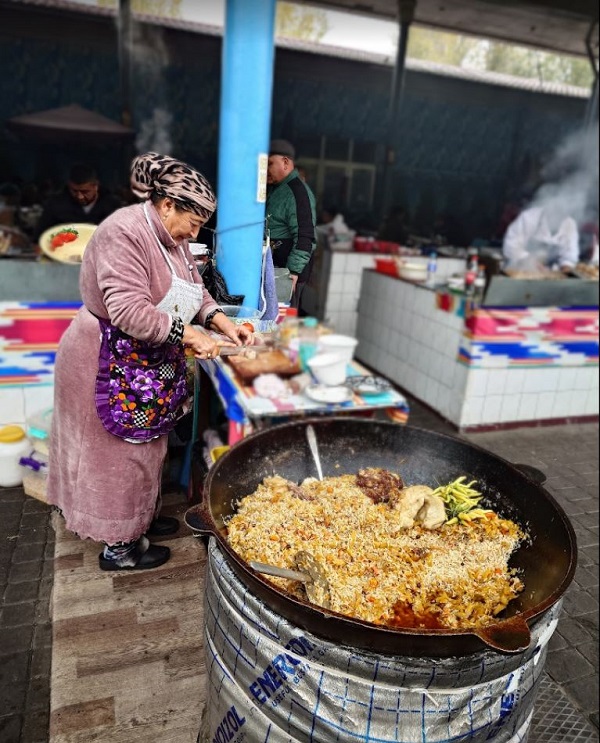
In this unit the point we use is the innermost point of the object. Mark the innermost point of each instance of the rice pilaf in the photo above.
(455, 577)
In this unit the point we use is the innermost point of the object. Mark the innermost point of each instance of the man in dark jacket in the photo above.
(82, 201)
(291, 216)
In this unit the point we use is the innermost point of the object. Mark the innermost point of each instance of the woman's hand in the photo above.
(202, 344)
(239, 334)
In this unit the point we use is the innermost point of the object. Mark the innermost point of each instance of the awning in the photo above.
(69, 122)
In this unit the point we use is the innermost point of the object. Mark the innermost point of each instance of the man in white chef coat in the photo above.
(542, 237)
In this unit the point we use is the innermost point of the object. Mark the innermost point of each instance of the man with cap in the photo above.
(291, 216)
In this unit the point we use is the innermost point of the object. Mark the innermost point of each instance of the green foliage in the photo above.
(160, 8)
(534, 63)
(494, 56)
(294, 21)
(439, 46)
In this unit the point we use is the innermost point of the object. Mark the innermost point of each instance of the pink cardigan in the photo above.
(106, 487)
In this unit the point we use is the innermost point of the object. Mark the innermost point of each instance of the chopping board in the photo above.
(268, 362)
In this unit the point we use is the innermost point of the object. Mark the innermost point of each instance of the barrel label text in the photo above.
(282, 668)
(229, 726)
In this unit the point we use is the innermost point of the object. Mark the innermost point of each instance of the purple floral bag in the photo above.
(140, 388)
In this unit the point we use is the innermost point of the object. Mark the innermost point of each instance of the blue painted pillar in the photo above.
(244, 128)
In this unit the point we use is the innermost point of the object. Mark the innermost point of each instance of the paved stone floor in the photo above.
(567, 708)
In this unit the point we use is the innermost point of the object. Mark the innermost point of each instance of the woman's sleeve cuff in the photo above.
(210, 318)
(176, 333)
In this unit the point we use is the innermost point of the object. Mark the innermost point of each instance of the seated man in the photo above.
(81, 201)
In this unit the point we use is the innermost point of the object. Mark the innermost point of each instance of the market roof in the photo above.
(556, 25)
(313, 47)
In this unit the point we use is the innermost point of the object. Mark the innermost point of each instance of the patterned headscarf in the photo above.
(165, 176)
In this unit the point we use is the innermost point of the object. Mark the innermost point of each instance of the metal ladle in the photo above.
(314, 449)
(311, 574)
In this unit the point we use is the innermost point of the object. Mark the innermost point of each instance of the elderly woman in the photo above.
(120, 383)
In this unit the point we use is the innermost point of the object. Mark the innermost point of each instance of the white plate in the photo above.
(328, 395)
(70, 252)
(369, 385)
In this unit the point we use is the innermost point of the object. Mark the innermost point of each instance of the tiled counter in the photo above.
(334, 289)
(37, 303)
(503, 366)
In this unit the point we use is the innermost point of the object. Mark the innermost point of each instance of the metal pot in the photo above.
(547, 563)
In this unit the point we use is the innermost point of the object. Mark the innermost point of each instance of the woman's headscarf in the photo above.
(165, 176)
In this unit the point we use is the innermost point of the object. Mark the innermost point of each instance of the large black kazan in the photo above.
(546, 563)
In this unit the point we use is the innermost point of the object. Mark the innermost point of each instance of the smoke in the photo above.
(154, 134)
(149, 60)
(571, 178)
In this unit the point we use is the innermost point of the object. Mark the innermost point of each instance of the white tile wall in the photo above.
(528, 407)
(545, 405)
(12, 406)
(345, 285)
(19, 403)
(515, 381)
(592, 402)
(562, 404)
(510, 407)
(492, 407)
(404, 336)
(38, 398)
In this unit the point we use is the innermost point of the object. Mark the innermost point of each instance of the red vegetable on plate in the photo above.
(62, 237)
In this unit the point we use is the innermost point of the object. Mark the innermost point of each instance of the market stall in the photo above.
(486, 365)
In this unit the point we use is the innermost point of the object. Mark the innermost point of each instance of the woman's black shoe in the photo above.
(162, 526)
(153, 557)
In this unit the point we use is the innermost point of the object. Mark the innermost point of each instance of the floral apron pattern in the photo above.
(141, 389)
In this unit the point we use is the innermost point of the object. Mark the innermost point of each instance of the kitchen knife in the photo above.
(243, 350)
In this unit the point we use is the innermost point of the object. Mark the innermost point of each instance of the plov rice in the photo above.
(380, 570)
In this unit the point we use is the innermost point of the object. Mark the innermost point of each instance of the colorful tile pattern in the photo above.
(29, 337)
(530, 336)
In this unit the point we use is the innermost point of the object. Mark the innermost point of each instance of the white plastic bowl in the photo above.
(342, 345)
(328, 368)
(412, 271)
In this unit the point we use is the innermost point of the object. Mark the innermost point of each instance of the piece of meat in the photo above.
(298, 492)
(433, 513)
(418, 504)
(378, 484)
(409, 502)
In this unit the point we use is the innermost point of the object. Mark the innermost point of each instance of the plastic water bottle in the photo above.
(479, 285)
(471, 275)
(431, 269)
(308, 341)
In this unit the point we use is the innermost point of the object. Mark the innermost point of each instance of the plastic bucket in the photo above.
(270, 680)
(14, 444)
(342, 345)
